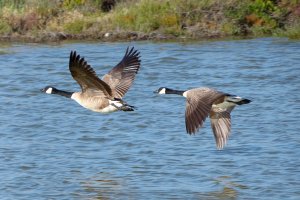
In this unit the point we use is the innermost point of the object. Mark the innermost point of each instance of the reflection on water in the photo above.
(4, 49)
(51, 148)
(226, 181)
(3, 52)
(102, 187)
(229, 189)
(226, 193)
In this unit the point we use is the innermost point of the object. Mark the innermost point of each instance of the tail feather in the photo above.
(122, 105)
(127, 108)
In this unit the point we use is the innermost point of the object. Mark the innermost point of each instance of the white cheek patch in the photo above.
(185, 94)
(162, 91)
(49, 91)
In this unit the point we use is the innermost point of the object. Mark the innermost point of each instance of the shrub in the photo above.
(5, 28)
(74, 27)
(145, 16)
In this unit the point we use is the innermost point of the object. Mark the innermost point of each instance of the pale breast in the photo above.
(96, 104)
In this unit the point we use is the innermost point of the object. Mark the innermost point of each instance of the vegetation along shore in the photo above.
(115, 20)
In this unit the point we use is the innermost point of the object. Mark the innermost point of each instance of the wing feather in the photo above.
(198, 106)
(121, 77)
(86, 77)
(221, 125)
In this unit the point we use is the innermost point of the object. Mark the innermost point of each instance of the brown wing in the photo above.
(121, 77)
(221, 126)
(198, 106)
(86, 76)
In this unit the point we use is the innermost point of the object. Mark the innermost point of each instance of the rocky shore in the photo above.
(103, 36)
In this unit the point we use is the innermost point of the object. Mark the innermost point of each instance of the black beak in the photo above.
(155, 92)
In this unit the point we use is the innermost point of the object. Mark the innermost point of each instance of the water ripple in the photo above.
(51, 148)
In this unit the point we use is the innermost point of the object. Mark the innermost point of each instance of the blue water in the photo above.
(51, 148)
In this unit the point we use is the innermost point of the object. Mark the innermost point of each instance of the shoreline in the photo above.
(52, 37)
(147, 20)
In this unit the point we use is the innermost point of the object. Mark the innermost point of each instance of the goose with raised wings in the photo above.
(101, 95)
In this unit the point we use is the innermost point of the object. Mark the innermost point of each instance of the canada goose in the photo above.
(203, 102)
(104, 95)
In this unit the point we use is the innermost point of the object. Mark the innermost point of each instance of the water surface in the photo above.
(51, 148)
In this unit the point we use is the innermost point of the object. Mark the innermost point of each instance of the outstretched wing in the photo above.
(121, 77)
(198, 106)
(221, 126)
(86, 76)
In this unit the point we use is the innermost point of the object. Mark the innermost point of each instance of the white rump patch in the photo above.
(111, 108)
(49, 91)
(116, 103)
(108, 109)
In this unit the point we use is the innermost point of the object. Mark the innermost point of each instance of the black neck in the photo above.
(62, 93)
(171, 91)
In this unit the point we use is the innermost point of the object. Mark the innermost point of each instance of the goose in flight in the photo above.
(101, 95)
(204, 102)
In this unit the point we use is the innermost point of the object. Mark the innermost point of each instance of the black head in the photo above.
(244, 101)
(161, 90)
(48, 89)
